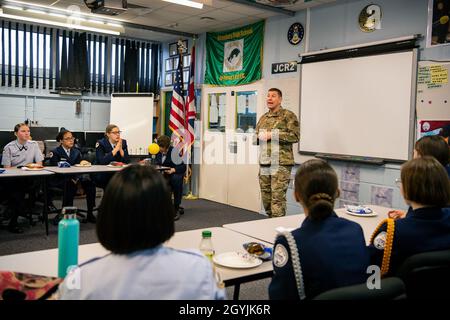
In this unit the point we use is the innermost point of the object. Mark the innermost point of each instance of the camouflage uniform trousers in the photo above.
(274, 182)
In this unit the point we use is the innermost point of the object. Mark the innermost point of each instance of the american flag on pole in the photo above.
(177, 119)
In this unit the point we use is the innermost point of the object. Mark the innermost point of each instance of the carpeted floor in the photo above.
(198, 214)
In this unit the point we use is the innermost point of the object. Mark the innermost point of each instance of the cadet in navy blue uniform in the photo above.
(326, 252)
(169, 157)
(426, 227)
(434, 146)
(134, 222)
(111, 148)
(20, 152)
(67, 152)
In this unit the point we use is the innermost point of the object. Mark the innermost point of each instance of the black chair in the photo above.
(391, 289)
(427, 275)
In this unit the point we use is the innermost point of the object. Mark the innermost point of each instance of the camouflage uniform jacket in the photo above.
(283, 123)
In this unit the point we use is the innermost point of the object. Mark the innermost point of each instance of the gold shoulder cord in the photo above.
(388, 245)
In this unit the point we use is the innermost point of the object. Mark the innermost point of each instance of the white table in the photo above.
(45, 262)
(20, 173)
(91, 169)
(265, 229)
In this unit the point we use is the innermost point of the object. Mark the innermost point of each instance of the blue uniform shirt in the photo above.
(172, 160)
(332, 254)
(159, 273)
(15, 154)
(422, 230)
(59, 154)
(103, 151)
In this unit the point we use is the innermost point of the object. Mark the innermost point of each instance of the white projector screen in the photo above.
(133, 113)
(360, 106)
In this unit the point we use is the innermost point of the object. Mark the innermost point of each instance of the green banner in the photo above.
(234, 57)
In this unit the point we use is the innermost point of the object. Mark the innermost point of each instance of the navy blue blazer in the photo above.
(103, 152)
(173, 160)
(332, 253)
(422, 230)
(58, 154)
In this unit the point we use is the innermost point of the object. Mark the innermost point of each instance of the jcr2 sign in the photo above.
(284, 67)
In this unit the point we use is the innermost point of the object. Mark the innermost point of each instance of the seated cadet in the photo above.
(426, 227)
(19, 153)
(434, 146)
(445, 133)
(67, 152)
(135, 219)
(169, 157)
(111, 148)
(326, 252)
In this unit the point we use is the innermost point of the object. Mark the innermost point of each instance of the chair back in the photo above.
(426, 275)
(390, 289)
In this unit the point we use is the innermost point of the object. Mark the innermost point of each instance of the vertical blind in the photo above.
(57, 59)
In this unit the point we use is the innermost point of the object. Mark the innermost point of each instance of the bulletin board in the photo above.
(433, 91)
(433, 97)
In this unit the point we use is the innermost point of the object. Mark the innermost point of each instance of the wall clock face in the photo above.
(295, 33)
(370, 18)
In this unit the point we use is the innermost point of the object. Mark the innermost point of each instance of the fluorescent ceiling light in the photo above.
(114, 25)
(35, 11)
(35, 5)
(58, 24)
(96, 21)
(13, 8)
(57, 15)
(188, 3)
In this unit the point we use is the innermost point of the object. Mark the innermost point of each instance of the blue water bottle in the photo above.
(68, 236)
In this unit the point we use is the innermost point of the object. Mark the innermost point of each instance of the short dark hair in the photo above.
(61, 134)
(425, 181)
(277, 91)
(316, 184)
(163, 141)
(136, 211)
(445, 131)
(20, 125)
(434, 146)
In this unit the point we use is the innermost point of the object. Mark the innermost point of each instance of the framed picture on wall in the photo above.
(173, 49)
(438, 28)
(169, 64)
(168, 80)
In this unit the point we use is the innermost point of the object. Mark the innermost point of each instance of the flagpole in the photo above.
(190, 196)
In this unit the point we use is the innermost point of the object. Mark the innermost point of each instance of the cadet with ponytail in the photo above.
(326, 252)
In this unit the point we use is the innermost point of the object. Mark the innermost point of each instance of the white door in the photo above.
(229, 170)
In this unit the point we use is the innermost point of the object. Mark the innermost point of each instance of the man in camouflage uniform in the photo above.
(276, 130)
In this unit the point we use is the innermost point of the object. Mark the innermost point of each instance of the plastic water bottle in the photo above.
(68, 238)
(206, 245)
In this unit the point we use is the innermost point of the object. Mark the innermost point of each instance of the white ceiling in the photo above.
(216, 15)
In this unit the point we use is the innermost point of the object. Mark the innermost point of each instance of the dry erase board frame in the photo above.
(335, 136)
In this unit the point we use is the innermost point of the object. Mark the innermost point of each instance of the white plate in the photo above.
(32, 169)
(83, 166)
(111, 166)
(372, 214)
(237, 260)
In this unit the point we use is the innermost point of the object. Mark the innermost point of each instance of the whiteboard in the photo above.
(133, 114)
(360, 106)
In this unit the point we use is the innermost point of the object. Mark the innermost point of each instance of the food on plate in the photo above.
(34, 166)
(84, 163)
